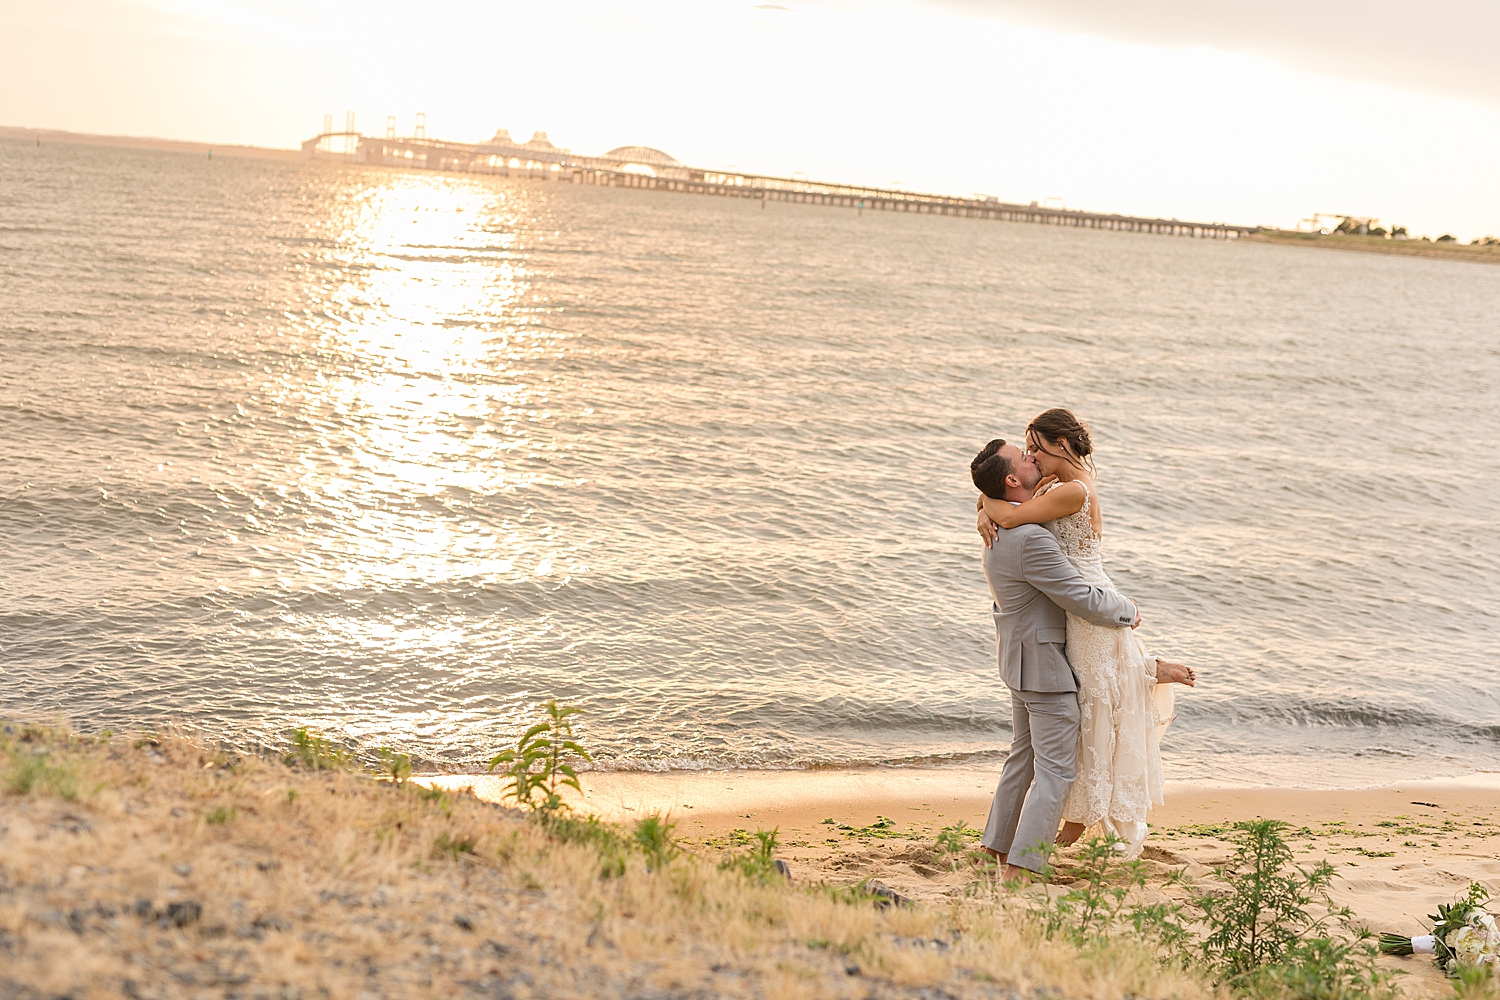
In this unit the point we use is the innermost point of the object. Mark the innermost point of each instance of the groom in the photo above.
(1033, 584)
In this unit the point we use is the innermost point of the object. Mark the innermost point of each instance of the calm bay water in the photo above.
(397, 456)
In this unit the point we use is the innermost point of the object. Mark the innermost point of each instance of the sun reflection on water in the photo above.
(422, 431)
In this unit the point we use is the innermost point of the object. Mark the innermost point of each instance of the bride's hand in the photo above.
(986, 527)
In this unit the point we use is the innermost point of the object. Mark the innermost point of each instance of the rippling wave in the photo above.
(399, 456)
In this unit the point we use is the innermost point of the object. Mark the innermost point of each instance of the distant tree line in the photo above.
(1352, 226)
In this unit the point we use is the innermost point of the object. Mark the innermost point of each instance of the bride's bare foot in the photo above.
(1069, 834)
(1168, 672)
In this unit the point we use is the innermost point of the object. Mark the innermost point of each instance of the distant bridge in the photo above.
(644, 167)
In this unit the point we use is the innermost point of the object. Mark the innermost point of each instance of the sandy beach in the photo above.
(1400, 849)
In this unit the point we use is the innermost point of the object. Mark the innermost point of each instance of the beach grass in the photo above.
(159, 867)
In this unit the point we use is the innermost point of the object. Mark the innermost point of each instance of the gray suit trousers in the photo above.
(1044, 747)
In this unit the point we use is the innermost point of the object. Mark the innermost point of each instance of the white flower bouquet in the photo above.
(1464, 935)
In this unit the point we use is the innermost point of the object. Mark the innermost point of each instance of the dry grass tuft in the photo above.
(161, 869)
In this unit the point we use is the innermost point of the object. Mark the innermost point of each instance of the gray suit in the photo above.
(1033, 585)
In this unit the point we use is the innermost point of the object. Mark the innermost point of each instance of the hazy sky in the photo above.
(1250, 112)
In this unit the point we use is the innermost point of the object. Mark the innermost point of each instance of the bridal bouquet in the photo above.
(1463, 934)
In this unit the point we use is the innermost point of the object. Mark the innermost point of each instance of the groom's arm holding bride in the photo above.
(1055, 576)
(1044, 566)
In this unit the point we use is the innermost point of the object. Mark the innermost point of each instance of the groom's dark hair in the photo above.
(989, 469)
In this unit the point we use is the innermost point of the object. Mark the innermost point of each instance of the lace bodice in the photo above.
(1084, 549)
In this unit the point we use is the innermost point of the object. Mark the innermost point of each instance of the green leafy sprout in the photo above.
(540, 764)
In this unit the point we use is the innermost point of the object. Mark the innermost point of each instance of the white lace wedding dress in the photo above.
(1122, 710)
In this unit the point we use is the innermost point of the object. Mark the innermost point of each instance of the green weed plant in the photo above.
(1098, 904)
(1475, 982)
(955, 839)
(541, 763)
(28, 771)
(450, 846)
(396, 767)
(759, 863)
(589, 831)
(1262, 936)
(653, 837)
(312, 752)
(220, 816)
(1274, 934)
(30, 762)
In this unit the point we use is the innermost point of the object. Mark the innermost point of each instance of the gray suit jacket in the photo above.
(1032, 584)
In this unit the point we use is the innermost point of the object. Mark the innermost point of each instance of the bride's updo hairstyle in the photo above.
(1058, 424)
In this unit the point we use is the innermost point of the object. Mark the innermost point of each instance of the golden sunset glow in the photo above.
(1255, 114)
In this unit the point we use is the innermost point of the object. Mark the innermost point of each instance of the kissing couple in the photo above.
(1088, 702)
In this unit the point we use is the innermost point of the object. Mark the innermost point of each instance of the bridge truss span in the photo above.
(650, 169)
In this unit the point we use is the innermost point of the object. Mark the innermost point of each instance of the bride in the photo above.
(1124, 692)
